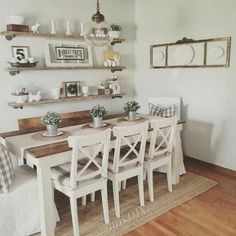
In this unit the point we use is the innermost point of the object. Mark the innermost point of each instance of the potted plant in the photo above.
(97, 112)
(115, 33)
(51, 120)
(131, 108)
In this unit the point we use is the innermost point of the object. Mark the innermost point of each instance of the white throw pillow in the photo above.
(6, 170)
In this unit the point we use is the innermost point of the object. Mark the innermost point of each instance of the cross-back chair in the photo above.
(160, 153)
(129, 163)
(77, 180)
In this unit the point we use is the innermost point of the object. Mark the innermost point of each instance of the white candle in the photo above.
(82, 29)
(53, 31)
(68, 32)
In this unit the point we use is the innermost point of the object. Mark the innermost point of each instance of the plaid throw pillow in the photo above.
(158, 110)
(154, 110)
(6, 169)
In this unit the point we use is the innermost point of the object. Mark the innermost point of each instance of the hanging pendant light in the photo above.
(97, 31)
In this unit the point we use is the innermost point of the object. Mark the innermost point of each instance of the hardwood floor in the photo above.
(211, 213)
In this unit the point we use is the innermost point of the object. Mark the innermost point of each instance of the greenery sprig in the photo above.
(115, 27)
(131, 106)
(98, 111)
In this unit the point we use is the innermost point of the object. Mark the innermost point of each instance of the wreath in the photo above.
(72, 89)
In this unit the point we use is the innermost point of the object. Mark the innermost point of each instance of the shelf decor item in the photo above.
(21, 95)
(190, 53)
(63, 54)
(115, 32)
(35, 28)
(98, 112)
(17, 28)
(97, 31)
(68, 31)
(131, 108)
(53, 31)
(20, 53)
(16, 20)
(71, 88)
(51, 121)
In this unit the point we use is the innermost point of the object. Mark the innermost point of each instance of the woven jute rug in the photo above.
(91, 221)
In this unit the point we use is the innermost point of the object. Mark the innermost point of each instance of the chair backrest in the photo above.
(163, 136)
(134, 138)
(88, 148)
(167, 101)
(3, 142)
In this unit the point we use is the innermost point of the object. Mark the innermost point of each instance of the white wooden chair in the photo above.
(76, 180)
(160, 153)
(168, 101)
(19, 209)
(130, 164)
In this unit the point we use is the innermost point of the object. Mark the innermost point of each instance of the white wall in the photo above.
(208, 94)
(76, 11)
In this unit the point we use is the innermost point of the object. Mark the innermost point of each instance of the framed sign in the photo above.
(20, 52)
(71, 88)
(64, 54)
(70, 53)
(189, 53)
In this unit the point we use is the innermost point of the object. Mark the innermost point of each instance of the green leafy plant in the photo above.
(51, 118)
(98, 111)
(72, 89)
(115, 27)
(131, 106)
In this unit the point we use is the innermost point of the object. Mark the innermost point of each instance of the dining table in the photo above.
(37, 150)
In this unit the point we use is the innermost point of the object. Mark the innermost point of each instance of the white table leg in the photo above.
(46, 201)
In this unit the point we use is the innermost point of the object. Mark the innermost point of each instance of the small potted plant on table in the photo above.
(131, 108)
(98, 112)
(116, 29)
(51, 120)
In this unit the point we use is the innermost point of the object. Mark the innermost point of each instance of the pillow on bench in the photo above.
(158, 110)
(6, 170)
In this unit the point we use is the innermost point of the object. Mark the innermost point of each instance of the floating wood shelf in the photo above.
(9, 35)
(61, 100)
(16, 70)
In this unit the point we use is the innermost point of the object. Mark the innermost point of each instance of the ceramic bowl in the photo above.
(16, 20)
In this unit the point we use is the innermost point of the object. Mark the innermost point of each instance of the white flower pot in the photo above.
(132, 115)
(97, 122)
(22, 98)
(51, 130)
(114, 34)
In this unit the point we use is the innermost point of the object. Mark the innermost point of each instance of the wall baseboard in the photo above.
(223, 170)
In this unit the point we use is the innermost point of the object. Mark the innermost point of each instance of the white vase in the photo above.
(85, 90)
(56, 93)
(51, 130)
(97, 122)
(132, 115)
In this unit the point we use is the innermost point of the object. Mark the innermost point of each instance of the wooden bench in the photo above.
(33, 124)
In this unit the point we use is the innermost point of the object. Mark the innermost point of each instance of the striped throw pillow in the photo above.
(6, 170)
(158, 110)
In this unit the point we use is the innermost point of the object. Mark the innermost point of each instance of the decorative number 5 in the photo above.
(20, 54)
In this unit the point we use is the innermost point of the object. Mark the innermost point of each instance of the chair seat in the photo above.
(110, 163)
(156, 158)
(61, 174)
